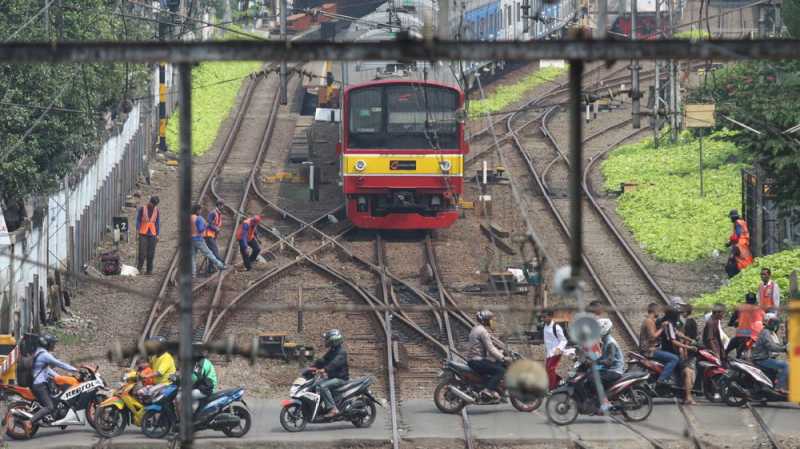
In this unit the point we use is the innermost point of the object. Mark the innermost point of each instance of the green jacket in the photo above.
(203, 369)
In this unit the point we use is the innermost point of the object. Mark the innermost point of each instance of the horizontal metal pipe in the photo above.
(183, 52)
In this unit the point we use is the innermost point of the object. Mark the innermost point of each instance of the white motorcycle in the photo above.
(74, 406)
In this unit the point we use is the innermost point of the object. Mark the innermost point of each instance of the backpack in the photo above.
(25, 373)
(110, 263)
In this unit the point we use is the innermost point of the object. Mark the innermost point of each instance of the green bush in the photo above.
(781, 264)
(665, 212)
(213, 96)
(693, 35)
(505, 95)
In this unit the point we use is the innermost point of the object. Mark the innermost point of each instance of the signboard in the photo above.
(699, 115)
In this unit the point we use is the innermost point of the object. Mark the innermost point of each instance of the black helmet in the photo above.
(733, 214)
(773, 323)
(198, 351)
(47, 341)
(484, 316)
(750, 298)
(157, 343)
(333, 338)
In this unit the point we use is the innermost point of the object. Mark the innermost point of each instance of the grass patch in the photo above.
(666, 213)
(692, 35)
(505, 95)
(781, 264)
(215, 86)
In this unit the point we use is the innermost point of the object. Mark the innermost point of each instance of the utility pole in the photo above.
(657, 104)
(284, 78)
(673, 81)
(46, 18)
(636, 94)
(60, 19)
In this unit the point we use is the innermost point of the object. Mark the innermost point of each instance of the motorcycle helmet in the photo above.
(198, 351)
(47, 341)
(484, 316)
(605, 326)
(772, 323)
(157, 344)
(333, 338)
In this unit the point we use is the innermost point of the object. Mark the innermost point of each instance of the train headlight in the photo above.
(445, 166)
(360, 165)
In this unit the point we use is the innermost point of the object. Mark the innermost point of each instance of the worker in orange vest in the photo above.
(213, 226)
(148, 224)
(739, 241)
(246, 235)
(198, 228)
(749, 321)
(769, 293)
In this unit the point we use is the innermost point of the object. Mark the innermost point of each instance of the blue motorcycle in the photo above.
(224, 411)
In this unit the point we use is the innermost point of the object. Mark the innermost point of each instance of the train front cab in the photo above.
(398, 172)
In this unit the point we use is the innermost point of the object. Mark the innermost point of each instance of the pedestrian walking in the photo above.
(555, 345)
(198, 227)
(769, 293)
(739, 242)
(714, 337)
(148, 224)
(213, 227)
(246, 235)
(749, 321)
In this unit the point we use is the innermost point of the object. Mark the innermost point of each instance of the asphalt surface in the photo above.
(421, 421)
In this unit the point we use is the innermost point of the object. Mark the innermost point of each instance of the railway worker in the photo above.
(714, 337)
(649, 335)
(739, 241)
(246, 235)
(198, 227)
(483, 357)
(148, 224)
(769, 293)
(213, 226)
(749, 321)
(555, 344)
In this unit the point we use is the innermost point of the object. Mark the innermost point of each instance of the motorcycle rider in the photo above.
(611, 364)
(749, 321)
(767, 344)
(43, 361)
(483, 357)
(162, 363)
(204, 376)
(334, 364)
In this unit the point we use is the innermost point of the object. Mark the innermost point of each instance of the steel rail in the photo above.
(773, 441)
(690, 428)
(385, 293)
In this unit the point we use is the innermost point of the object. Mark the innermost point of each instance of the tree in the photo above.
(791, 16)
(763, 95)
(38, 147)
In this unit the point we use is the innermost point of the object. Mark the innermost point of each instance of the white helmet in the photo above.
(605, 326)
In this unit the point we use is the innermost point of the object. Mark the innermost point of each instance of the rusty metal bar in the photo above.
(587, 50)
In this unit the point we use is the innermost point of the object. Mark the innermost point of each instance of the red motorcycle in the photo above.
(709, 370)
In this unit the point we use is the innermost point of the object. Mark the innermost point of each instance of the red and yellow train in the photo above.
(402, 154)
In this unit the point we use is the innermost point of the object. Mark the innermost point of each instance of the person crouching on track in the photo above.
(483, 357)
(246, 235)
(334, 365)
(198, 224)
(213, 227)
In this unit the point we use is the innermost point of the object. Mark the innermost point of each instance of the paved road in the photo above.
(421, 421)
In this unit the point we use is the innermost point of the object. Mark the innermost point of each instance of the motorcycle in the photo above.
(576, 396)
(356, 403)
(224, 411)
(80, 395)
(461, 386)
(124, 406)
(745, 382)
(709, 373)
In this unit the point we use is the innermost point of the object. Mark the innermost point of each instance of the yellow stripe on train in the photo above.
(403, 164)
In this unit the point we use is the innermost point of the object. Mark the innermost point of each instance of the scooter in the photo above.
(356, 403)
(709, 373)
(746, 382)
(577, 396)
(461, 386)
(74, 406)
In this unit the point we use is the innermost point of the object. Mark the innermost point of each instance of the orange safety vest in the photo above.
(745, 257)
(765, 293)
(193, 221)
(251, 231)
(751, 321)
(217, 224)
(147, 225)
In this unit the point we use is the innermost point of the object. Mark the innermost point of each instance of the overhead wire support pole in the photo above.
(185, 242)
(636, 94)
(284, 78)
(576, 168)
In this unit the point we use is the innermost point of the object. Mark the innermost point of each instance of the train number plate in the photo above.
(403, 165)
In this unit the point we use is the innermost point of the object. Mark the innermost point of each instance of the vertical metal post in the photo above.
(163, 30)
(184, 243)
(443, 29)
(576, 166)
(602, 15)
(46, 18)
(284, 81)
(657, 104)
(60, 19)
(702, 191)
(635, 89)
(673, 80)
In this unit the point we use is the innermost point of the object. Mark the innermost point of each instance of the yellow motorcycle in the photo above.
(124, 406)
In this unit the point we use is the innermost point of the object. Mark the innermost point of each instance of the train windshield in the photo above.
(403, 117)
